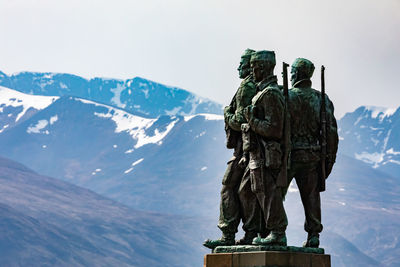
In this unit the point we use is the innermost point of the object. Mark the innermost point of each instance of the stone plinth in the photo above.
(267, 259)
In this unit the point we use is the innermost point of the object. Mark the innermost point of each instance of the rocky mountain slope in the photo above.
(52, 222)
(117, 154)
(372, 134)
(48, 222)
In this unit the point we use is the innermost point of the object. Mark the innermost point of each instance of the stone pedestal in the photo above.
(267, 259)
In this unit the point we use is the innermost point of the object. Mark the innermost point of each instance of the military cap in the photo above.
(264, 55)
(247, 53)
(304, 66)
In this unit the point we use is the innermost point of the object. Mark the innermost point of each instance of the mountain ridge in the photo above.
(371, 134)
(137, 95)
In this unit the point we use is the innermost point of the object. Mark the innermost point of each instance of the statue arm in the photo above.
(232, 120)
(236, 119)
(271, 126)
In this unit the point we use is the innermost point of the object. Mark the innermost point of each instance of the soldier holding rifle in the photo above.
(314, 141)
(285, 135)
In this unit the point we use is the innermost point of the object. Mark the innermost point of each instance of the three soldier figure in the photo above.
(257, 122)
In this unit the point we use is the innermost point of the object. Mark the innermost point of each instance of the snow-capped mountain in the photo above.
(372, 134)
(118, 154)
(136, 95)
(175, 164)
(16, 107)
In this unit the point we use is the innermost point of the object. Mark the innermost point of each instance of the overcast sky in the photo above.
(196, 44)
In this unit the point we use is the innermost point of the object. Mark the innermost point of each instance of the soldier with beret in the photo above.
(265, 126)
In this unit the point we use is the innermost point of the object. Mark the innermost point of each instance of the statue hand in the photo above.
(248, 112)
(243, 161)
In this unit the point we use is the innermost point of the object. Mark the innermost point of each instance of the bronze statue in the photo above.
(265, 117)
(308, 125)
(277, 135)
(231, 205)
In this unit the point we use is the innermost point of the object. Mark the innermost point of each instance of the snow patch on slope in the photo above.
(143, 139)
(4, 127)
(85, 101)
(194, 101)
(53, 119)
(208, 117)
(212, 117)
(42, 124)
(9, 97)
(371, 158)
(136, 126)
(173, 111)
(116, 99)
(133, 164)
(380, 112)
(392, 152)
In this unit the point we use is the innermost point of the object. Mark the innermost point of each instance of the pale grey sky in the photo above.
(196, 45)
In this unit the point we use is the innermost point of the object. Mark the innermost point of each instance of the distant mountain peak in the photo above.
(379, 112)
(372, 134)
(136, 95)
(20, 104)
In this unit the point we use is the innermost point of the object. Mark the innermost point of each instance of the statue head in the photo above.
(262, 64)
(244, 66)
(302, 69)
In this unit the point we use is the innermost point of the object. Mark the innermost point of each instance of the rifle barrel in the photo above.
(286, 134)
(323, 131)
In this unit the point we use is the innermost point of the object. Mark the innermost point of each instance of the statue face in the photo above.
(244, 68)
(293, 75)
(257, 71)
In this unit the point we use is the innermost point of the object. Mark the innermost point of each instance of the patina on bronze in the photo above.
(234, 201)
(314, 141)
(266, 120)
(277, 135)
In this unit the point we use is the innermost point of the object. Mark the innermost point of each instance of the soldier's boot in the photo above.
(247, 239)
(265, 234)
(273, 239)
(227, 239)
(312, 241)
